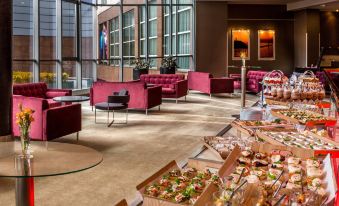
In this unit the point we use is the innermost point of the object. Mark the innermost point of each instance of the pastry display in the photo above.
(297, 139)
(301, 116)
(224, 145)
(274, 177)
(307, 88)
(181, 186)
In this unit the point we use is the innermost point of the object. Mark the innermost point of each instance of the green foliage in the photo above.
(141, 64)
(169, 62)
(48, 77)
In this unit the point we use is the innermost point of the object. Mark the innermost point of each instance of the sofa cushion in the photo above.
(168, 90)
(31, 90)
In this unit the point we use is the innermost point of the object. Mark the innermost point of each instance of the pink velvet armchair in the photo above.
(205, 83)
(172, 85)
(51, 119)
(141, 97)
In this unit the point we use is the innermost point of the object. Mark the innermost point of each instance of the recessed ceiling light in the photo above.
(337, 10)
(323, 5)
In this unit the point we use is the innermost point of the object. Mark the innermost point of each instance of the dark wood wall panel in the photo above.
(211, 38)
(5, 67)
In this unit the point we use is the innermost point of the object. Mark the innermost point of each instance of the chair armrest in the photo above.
(181, 88)
(220, 85)
(29, 102)
(153, 96)
(52, 94)
(68, 91)
(61, 121)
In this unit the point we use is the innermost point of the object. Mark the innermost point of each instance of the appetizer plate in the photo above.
(250, 126)
(303, 117)
(324, 172)
(293, 138)
(221, 147)
(156, 178)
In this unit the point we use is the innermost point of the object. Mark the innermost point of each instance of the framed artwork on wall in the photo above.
(240, 44)
(266, 45)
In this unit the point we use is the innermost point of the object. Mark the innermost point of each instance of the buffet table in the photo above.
(287, 149)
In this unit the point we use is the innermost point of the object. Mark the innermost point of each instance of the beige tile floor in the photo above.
(132, 152)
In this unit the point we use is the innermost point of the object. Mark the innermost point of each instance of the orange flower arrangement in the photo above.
(24, 118)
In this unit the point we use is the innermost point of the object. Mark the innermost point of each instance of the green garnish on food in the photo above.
(278, 121)
(271, 176)
(258, 123)
(177, 181)
(311, 146)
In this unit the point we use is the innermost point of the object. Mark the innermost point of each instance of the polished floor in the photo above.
(132, 152)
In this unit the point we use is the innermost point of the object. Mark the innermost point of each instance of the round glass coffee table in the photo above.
(65, 99)
(49, 159)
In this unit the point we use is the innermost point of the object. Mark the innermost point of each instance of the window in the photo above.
(23, 41)
(181, 33)
(128, 39)
(69, 30)
(114, 41)
(152, 32)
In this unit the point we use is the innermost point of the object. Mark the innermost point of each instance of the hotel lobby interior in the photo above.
(169, 102)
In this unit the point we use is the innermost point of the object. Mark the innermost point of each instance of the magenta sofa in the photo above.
(205, 83)
(141, 97)
(51, 119)
(172, 85)
(253, 79)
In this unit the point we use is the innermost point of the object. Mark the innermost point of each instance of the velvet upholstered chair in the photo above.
(206, 83)
(52, 120)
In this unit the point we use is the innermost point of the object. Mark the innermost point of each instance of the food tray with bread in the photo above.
(223, 146)
(173, 186)
(303, 117)
(274, 175)
(294, 138)
(249, 126)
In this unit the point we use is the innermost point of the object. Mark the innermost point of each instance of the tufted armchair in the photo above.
(172, 85)
(51, 119)
(206, 83)
(253, 79)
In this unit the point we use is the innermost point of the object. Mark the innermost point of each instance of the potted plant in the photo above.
(168, 65)
(141, 67)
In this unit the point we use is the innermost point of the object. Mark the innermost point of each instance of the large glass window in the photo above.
(152, 31)
(46, 46)
(181, 32)
(128, 39)
(114, 41)
(23, 41)
(48, 24)
(87, 43)
(69, 29)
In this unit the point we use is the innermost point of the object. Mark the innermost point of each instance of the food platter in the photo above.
(262, 168)
(221, 147)
(250, 126)
(293, 138)
(303, 117)
(172, 186)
